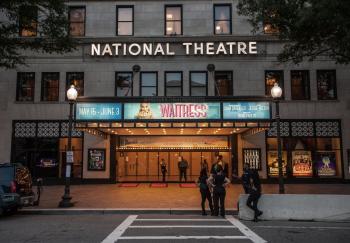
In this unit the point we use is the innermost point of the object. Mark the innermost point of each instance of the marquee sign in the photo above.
(246, 110)
(98, 111)
(168, 49)
(172, 111)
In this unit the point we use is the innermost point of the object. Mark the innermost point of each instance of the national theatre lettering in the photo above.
(166, 49)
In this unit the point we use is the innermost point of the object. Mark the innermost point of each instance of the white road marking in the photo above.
(181, 237)
(301, 227)
(115, 235)
(202, 220)
(245, 230)
(183, 226)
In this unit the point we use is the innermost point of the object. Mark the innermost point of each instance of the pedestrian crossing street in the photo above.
(173, 228)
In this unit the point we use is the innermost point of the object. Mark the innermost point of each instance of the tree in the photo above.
(36, 25)
(311, 28)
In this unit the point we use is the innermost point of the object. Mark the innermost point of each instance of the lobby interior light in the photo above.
(72, 93)
(276, 91)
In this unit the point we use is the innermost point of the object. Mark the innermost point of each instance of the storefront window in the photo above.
(123, 84)
(198, 83)
(28, 22)
(125, 20)
(77, 79)
(300, 85)
(50, 86)
(25, 86)
(173, 83)
(173, 20)
(222, 19)
(326, 85)
(77, 21)
(223, 83)
(272, 77)
(149, 83)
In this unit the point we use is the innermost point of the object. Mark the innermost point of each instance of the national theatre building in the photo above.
(170, 79)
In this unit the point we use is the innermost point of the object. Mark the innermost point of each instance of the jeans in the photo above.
(206, 195)
(252, 201)
(219, 198)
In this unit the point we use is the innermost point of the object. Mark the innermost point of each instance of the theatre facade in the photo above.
(160, 81)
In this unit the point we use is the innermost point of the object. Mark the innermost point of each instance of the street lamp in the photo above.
(72, 95)
(276, 93)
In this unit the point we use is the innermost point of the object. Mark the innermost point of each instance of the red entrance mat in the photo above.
(158, 185)
(188, 185)
(128, 184)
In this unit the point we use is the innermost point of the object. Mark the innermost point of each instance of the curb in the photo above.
(87, 211)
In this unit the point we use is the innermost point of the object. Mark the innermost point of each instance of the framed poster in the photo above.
(272, 163)
(302, 163)
(326, 163)
(252, 156)
(96, 159)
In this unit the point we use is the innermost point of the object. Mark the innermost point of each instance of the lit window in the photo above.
(50, 86)
(272, 77)
(173, 20)
(222, 19)
(125, 20)
(28, 21)
(76, 79)
(77, 21)
(223, 83)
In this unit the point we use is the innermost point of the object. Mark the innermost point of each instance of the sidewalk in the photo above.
(111, 196)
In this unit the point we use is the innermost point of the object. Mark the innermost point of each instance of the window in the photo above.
(198, 83)
(28, 21)
(77, 21)
(123, 84)
(77, 79)
(149, 84)
(173, 20)
(268, 27)
(125, 20)
(272, 77)
(50, 86)
(222, 19)
(300, 82)
(223, 83)
(326, 85)
(173, 83)
(25, 86)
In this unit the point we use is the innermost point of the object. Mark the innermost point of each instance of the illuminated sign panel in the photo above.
(98, 111)
(246, 110)
(172, 111)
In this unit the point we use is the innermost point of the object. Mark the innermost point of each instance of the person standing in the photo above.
(205, 192)
(183, 165)
(163, 168)
(252, 186)
(204, 165)
(219, 182)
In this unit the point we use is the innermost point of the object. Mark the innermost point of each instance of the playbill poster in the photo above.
(272, 160)
(302, 163)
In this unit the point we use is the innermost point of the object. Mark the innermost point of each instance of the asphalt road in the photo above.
(164, 228)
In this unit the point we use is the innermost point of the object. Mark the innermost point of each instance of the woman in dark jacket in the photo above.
(205, 192)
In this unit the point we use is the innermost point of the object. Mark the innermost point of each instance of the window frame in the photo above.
(279, 84)
(43, 87)
(232, 86)
(77, 7)
(17, 87)
(206, 82)
(335, 83)
(165, 82)
(214, 17)
(308, 93)
(166, 21)
(21, 27)
(117, 20)
(132, 83)
(141, 86)
(68, 85)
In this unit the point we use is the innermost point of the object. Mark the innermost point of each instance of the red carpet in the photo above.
(158, 185)
(188, 185)
(128, 184)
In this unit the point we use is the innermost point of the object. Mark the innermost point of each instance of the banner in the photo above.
(246, 110)
(326, 163)
(302, 163)
(172, 111)
(272, 162)
(98, 111)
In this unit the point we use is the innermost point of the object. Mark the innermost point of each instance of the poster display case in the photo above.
(96, 159)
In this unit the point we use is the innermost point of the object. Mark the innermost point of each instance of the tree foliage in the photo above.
(51, 32)
(310, 28)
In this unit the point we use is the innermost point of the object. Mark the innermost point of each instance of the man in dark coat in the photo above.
(183, 165)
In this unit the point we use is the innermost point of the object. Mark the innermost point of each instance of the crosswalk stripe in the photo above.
(115, 235)
(245, 230)
(181, 237)
(208, 220)
(183, 226)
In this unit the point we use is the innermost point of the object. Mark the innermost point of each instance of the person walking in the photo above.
(163, 168)
(205, 191)
(252, 186)
(183, 165)
(219, 182)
